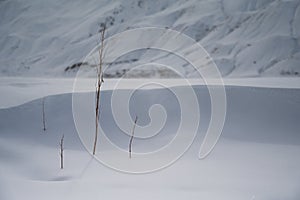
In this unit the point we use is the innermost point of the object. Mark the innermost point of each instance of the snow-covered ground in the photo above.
(257, 156)
(245, 38)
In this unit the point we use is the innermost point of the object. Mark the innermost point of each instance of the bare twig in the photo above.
(132, 136)
(43, 112)
(98, 86)
(61, 152)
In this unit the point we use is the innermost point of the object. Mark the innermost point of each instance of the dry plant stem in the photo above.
(61, 144)
(98, 87)
(132, 136)
(43, 111)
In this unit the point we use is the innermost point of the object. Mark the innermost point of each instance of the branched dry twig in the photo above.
(132, 136)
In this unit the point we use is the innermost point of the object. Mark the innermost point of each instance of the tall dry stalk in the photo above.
(98, 86)
(61, 152)
(132, 136)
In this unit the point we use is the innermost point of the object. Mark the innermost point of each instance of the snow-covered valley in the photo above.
(200, 99)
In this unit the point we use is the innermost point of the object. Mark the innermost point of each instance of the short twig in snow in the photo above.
(43, 113)
(61, 152)
(132, 136)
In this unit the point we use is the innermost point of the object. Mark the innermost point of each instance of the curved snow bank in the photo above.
(17, 91)
(259, 114)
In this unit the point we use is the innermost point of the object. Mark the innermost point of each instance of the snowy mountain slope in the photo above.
(245, 38)
(257, 156)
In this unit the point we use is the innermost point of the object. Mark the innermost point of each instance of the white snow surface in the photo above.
(257, 156)
(245, 38)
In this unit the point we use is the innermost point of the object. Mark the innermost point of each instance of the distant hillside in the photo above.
(245, 38)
